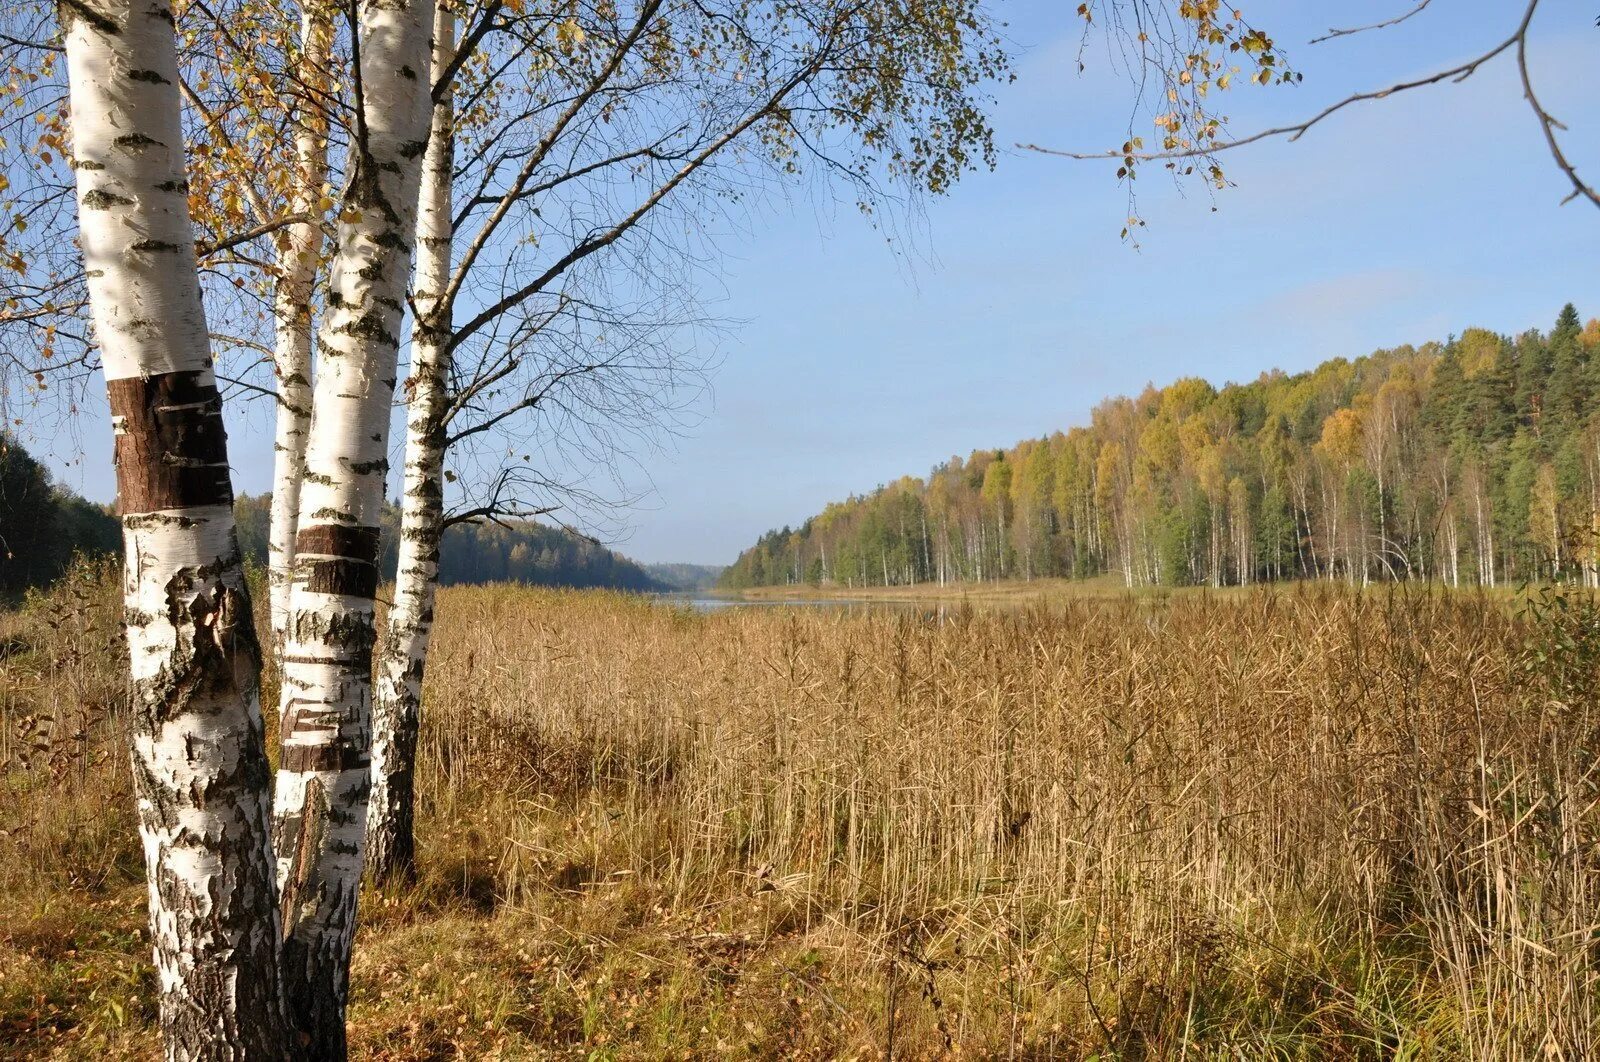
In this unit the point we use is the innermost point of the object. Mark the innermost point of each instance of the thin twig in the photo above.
(1548, 125)
(1385, 24)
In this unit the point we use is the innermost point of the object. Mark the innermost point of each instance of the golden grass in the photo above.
(1286, 823)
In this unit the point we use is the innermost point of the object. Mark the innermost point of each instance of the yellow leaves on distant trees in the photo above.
(1342, 435)
(1590, 336)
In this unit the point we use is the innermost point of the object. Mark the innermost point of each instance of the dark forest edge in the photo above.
(511, 551)
(43, 525)
(685, 578)
(1475, 461)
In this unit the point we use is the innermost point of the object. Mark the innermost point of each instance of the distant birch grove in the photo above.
(1472, 462)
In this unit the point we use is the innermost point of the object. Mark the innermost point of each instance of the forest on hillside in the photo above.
(508, 551)
(1475, 461)
(685, 578)
(44, 525)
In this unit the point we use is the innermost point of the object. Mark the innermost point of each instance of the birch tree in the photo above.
(299, 251)
(246, 90)
(199, 760)
(629, 114)
(322, 786)
(391, 841)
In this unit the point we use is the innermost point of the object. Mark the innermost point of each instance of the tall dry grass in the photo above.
(1300, 823)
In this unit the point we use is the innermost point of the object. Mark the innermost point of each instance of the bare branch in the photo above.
(604, 239)
(1548, 125)
(205, 249)
(1296, 131)
(1385, 24)
(446, 301)
(495, 514)
(465, 48)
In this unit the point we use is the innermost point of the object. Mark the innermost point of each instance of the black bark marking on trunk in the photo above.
(338, 540)
(338, 756)
(99, 198)
(346, 630)
(144, 521)
(369, 327)
(308, 828)
(342, 576)
(314, 1038)
(339, 559)
(317, 985)
(70, 11)
(171, 449)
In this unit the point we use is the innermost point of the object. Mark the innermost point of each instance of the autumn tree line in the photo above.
(44, 526)
(1474, 462)
(507, 551)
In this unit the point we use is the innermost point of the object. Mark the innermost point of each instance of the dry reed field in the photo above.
(1301, 823)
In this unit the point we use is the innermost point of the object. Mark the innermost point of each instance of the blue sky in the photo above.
(1011, 307)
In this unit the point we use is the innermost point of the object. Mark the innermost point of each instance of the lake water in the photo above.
(709, 603)
(706, 603)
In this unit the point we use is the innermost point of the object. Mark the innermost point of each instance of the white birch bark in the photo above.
(199, 758)
(322, 788)
(291, 354)
(402, 657)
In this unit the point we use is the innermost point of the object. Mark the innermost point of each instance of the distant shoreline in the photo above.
(1010, 590)
(1022, 591)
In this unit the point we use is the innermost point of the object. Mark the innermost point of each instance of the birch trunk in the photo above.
(321, 800)
(199, 756)
(391, 840)
(291, 353)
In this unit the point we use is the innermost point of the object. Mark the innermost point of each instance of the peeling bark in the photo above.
(322, 787)
(198, 752)
(391, 842)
